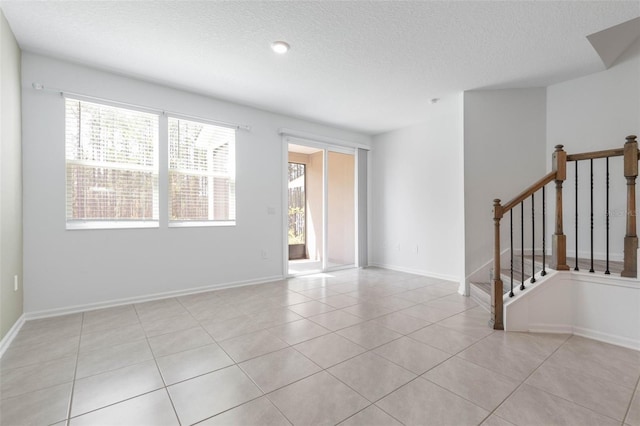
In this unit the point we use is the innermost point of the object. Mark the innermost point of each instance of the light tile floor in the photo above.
(358, 347)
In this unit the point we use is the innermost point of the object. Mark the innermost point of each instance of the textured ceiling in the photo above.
(367, 66)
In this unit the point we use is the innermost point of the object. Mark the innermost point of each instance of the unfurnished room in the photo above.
(319, 213)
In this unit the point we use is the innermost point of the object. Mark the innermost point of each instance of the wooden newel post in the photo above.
(497, 294)
(631, 238)
(559, 240)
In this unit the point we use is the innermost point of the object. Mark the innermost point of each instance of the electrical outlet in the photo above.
(15, 283)
(263, 253)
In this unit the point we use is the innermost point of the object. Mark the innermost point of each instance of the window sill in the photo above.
(106, 224)
(198, 224)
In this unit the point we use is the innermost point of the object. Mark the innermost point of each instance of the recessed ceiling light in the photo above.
(280, 47)
(435, 100)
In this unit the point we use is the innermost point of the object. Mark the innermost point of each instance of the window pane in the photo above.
(201, 171)
(189, 196)
(111, 163)
(107, 194)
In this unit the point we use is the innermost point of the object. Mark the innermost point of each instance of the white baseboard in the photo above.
(11, 334)
(607, 338)
(572, 302)
(420, 272)
(551, 328)
(462, 287)
(47, 313)
(481, 298)
(146, 298)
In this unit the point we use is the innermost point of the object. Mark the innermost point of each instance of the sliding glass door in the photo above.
(321, 213)
(341, 219)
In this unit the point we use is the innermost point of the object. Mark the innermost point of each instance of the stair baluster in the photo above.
(591, 167)
(576, 214)
(511, 239)
(533, 240)
(544, 233)
(522, 245)
(607, 272)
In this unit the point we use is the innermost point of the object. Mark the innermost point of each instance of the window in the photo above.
(111, 166)
(201, 173)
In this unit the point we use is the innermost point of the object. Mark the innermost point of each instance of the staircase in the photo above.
(480, 290)
(501, 286)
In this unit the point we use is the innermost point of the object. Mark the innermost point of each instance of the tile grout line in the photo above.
(326, 369)
(243, 372)
(113, 404)
(358, 412)
(240, 405)
(75, 373)
(375, 354)
(399, 310)
(334, 332)
(322, 370)
(485, 368)
(295, 381)
(59, 357)
(633, 394)
(166, 388)
(383, 397)
(115, 369)
(522, 383)
(266, 394)
(146, 338)
(586, 373)
(424, 378)
(236, 363)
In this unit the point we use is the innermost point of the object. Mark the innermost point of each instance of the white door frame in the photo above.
(326, 148)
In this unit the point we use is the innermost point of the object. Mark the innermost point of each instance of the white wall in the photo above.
(606, 309)
(416, 195)
(10, 180)
(593, 113)
(70, 268)
(504, 152)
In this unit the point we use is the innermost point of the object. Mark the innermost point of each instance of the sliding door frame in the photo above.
(326, 148)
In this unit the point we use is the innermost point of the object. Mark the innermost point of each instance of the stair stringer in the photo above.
(605, 308)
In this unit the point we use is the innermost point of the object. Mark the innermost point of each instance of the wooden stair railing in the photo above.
(559, 239)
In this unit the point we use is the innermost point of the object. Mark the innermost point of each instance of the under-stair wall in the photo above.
(594, 306)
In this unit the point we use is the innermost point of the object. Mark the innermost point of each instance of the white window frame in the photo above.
(91, 224)
(182, 223)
